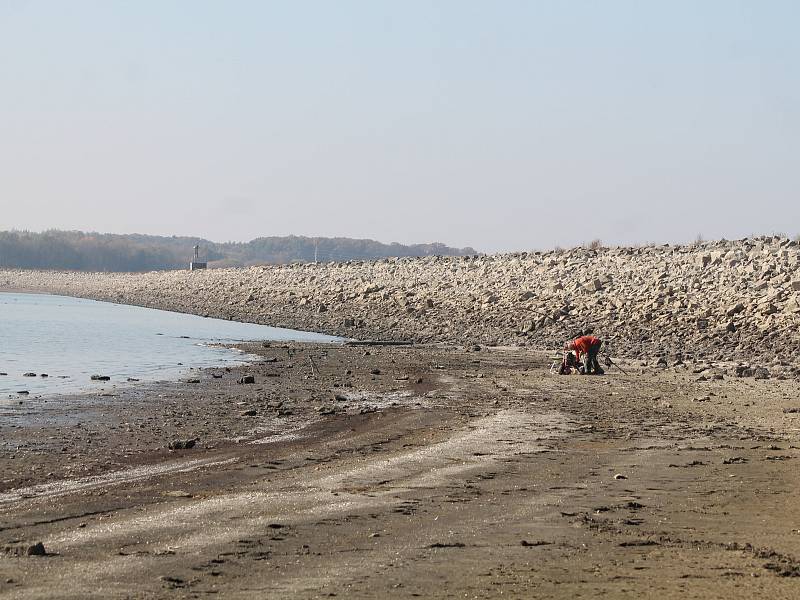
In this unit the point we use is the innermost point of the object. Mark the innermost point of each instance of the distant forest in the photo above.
(80, 251)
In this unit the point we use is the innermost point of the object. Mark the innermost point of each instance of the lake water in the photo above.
(71, 339)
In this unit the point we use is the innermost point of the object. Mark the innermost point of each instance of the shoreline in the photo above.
(726, 300)
(219, 342)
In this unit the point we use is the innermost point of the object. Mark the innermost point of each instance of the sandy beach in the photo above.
(423, 471)
(459, 466)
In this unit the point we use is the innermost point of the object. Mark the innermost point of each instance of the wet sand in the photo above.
(424, 471)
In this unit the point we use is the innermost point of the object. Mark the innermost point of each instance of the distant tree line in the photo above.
(81, 251)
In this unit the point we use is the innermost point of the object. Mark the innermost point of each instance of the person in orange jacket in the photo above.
(586, 347)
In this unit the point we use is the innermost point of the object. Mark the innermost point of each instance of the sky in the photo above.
(503, 125)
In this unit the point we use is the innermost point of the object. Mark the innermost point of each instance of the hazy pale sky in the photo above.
(498, 124)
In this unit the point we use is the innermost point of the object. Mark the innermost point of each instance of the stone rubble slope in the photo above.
(724, 300)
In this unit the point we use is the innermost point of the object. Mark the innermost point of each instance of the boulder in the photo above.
(25, 549)
(761, 373)
(182, 444)
(769, 309)
(734, 309)
(703, 260)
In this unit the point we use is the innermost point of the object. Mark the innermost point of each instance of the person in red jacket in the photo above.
(586, 347)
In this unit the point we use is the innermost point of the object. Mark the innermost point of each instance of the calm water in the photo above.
(71, 339)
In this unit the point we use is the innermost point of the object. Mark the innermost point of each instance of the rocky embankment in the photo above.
(725, 300)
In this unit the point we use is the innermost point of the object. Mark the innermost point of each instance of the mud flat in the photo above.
(407, 471)
(723, 300)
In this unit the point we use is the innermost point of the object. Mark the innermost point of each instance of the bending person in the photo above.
(586, 348)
